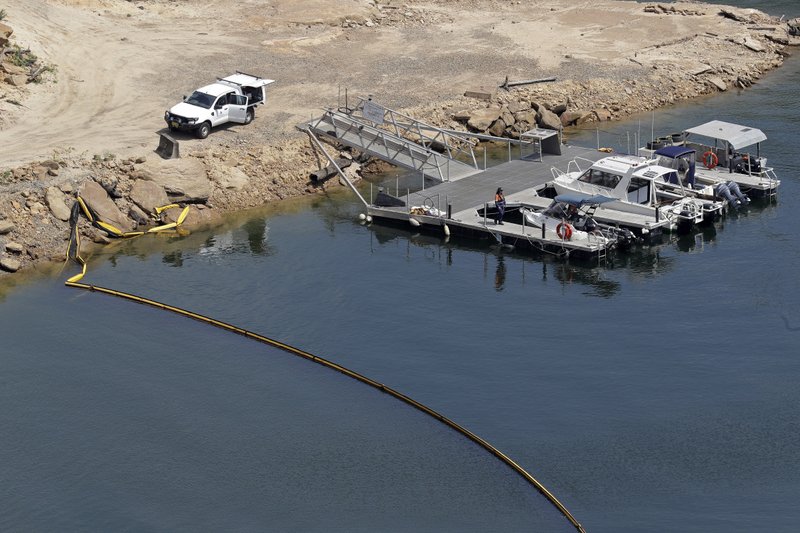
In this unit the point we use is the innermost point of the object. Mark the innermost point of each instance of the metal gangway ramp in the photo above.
(398, 139)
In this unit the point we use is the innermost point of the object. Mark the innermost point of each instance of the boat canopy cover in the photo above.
(579, 201)
(674, 152)
(737, 136)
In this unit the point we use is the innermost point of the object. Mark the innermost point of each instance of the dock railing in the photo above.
(367, 136)
(449, 142)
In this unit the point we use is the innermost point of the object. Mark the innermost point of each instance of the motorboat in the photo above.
(684, 161)
(635, 184)
(728, 153)
(572, 217)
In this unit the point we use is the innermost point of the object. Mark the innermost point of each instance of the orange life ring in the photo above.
(564, 231)
(710, 159)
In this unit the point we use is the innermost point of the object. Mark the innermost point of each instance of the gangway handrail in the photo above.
(417, 126)
(421, 158)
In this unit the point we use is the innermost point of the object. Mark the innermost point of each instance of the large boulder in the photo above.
(198, 216)
(497, 128)
(718, 82)
(482, 119)
(527, 119)
(602, 114)
(515, 106)
(558, 108)
(55, 201)
(148, 195)
(97, 198)
(547, 119)
(577, 117)
(229, 177)
(184, 179)
(507, 117)
(9, 265)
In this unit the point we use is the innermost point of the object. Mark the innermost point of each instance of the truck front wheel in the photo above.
(249, 116)
(203, 131)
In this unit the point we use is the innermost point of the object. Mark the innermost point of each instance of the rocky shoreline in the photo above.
(35, 198)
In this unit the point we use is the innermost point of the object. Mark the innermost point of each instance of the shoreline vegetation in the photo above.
(703, 49)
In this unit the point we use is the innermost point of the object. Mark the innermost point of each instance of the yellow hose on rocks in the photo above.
(74, 246)
(72, 282)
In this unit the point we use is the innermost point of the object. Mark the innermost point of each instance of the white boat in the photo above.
(571, 217)
(727, 153)
(635, 184)
(683, 160)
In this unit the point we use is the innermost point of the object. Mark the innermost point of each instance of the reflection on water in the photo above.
(500, 274)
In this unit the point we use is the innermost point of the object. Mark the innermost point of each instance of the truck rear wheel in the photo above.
(249, 116)
(203, 131)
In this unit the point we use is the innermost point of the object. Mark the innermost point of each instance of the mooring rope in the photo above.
(73, 251)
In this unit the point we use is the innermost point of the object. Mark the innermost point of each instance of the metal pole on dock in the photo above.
(598, 137)
(509, 151)
(639, 137)
(484, 156)
(485, 210)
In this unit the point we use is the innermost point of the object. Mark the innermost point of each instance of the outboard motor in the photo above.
(730, 191)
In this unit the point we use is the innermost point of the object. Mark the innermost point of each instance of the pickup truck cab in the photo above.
(230, 99)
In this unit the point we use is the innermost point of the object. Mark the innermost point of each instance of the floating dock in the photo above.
(458, 207)
(460, 201)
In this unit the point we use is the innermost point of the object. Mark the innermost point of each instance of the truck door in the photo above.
(237, 109)
(220, 113)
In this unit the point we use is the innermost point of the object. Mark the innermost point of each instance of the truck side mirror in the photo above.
(184, 97)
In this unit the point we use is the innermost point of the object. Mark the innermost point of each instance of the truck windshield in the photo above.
(200, 99)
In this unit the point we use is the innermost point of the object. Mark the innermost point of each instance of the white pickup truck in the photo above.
(230, 99)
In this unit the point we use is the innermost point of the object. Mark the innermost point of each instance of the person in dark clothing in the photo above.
(500, 204)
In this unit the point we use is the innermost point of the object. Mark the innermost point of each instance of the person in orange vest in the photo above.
(500, 204)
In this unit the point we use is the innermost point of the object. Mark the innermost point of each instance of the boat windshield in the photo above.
(639, 191)
(563, 211)
(600, 178)
(200, 100)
